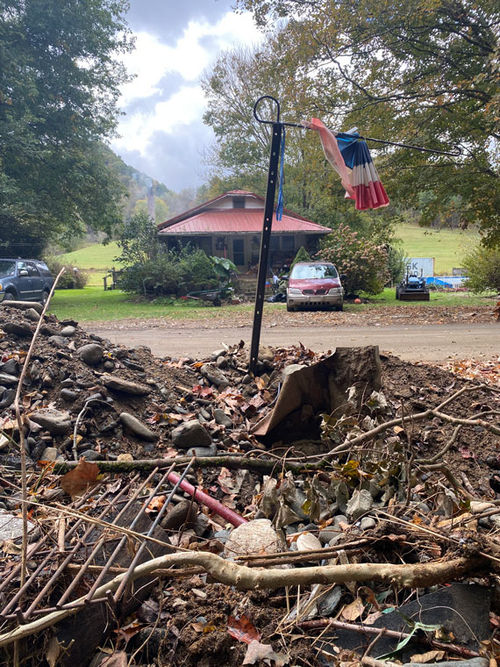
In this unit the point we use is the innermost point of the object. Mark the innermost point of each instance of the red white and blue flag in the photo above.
(349, 156)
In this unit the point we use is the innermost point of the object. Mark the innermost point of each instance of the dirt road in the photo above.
(434, 343)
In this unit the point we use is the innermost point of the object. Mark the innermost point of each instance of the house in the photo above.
(231, 226)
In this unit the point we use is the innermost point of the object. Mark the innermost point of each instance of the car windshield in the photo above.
(311, 271)
(7, 267)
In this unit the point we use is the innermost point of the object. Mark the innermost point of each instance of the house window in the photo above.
(287, 243)
(238, 202)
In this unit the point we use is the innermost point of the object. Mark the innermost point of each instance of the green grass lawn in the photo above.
(447, 246)
(94, 304)
(96, 256)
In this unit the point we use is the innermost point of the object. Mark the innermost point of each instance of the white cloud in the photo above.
(173, 71)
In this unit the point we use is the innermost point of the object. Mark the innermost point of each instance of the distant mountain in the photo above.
(138, 186)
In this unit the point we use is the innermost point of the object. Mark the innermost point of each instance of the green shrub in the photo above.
(301, 256)
(363, 262)
(483, 269)
(72, 278)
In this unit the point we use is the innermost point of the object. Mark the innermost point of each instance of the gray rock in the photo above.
(246, 379)
(19, 330)
(222, 418)
(120, 385)
(222, 535)
(191, 434)
(329, 601)
(67, 382)
(367, 522)
(68, 331)
(7, 399)
(54, 421)
(291, 368)
(11, 367)
(90, 455)
(32, 315)
(69, 395)
(360, 503)
(214, 375)
(58, 341)
(472, 662)
(91, 353)
(202, 451)
(11, 527)
(8, 380)
(222, 362)
(49, 454)
(137, 428)
(253, 537)
(109, 365)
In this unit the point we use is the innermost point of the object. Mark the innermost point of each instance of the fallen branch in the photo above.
(245, 578)
(370, 630)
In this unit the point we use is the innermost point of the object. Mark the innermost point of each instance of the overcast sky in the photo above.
(162, 132)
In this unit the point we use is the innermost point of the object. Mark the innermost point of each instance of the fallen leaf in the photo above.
(118, 659)
(155, 505)
(53, 652)
(257, 652)
(242, 629)
(429, 656)
(77, 481)
(353, 611)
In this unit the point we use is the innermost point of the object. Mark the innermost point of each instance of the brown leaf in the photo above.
(117, 659)
(242, 629)
(429, 656)
(77, 481)
(155, 505)
(353, 611)
(257, 652)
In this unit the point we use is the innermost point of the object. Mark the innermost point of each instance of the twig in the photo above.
(370, 630)
(245, 578)
(20, 426)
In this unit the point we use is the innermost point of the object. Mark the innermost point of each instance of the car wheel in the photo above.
(290, 309)
(45, 297)
(9, 296)
(340, 308)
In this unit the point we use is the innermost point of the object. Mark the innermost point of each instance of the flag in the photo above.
(350, 157)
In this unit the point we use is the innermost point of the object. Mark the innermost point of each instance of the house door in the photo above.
(239, 252)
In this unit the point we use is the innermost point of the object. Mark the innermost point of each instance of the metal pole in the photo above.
(264, 244)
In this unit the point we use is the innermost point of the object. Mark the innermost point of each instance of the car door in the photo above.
(23, 282)
(36, 285)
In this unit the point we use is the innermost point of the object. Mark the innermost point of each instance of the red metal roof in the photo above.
(240, 221)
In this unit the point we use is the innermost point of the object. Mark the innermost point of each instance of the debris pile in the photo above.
(184, 512)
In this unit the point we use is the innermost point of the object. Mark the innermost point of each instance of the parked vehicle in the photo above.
(24, 280)
(314, 285)
(413, 288)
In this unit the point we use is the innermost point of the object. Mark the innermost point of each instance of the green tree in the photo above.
(423, 72)
(360, 259)
(59, 84)
(138, 240)
(483, 269)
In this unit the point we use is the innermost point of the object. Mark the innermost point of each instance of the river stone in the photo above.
(91, 353)
(32, 315)
(222, 418)
(136, 427)
(253, 537)
(19, 330)
(367, 522)
(214, 375)
(49, 454)
(116, 383)
(7, 380)
(308, 542)
(11, 527)
(55, 421)
(69, 395)
(8, 396)
(360, 503)
(58, 341)
(11, 367)
(203, 451)
(68, 331)
(191, 434)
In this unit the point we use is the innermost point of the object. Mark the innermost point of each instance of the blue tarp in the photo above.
(439, 282)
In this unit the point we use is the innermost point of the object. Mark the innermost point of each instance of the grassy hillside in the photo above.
(447, 246)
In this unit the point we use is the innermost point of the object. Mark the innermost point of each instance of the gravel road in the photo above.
(432, 343)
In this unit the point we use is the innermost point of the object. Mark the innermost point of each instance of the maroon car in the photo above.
(314, 285)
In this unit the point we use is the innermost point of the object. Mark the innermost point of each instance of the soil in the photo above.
(191, 619)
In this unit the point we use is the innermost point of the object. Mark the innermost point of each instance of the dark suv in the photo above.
(24, 280)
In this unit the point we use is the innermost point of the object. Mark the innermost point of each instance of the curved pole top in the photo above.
(261, 120)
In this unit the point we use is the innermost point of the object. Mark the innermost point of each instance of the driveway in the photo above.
(432, 343)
